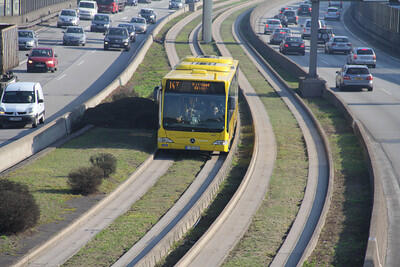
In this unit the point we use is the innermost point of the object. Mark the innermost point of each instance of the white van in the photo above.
(306, 31)
(22, 103)
(87, 9)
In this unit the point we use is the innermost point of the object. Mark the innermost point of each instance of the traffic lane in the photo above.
(73, 85)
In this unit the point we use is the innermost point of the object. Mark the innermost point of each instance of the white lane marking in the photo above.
(124, 18)
(93, 51)
(80, 63)
(62, 76)
(387, 92)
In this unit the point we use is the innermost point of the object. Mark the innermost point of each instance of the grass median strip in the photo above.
(280, 206)
(47, 176)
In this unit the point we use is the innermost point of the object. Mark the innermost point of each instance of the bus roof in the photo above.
(212, 68)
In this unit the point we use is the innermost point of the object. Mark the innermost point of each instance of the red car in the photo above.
(42, 58)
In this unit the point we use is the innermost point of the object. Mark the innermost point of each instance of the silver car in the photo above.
(339, 44)
(354, 76)
(27, 39)
(175, 4)
(271, 25)
(67, 17)
(279, 34)
(74, 35)
(363, 56)
(332, 13)
(140, 24)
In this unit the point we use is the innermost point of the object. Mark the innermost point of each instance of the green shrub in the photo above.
(18, 208)
(105, 161)
(85, 180)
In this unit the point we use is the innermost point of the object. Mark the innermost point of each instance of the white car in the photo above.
(271, 25)
(67, 17)
(332, 13)
(22, 103)
(87, 9)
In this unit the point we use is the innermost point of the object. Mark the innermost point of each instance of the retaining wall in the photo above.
(377, 242)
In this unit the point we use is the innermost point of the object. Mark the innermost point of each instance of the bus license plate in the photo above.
(192, 147)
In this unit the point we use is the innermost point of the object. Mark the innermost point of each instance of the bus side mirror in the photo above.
(40, 101)
(156, 93)
(231, 103)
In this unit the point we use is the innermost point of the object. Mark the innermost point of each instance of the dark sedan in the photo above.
(292, 44)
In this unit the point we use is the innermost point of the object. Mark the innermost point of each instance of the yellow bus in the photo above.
(198, 104)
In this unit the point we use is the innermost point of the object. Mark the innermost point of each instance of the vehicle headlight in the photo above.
(106, 25)
(30, 61)
(29, 110)
(50, 62)
(221, 143)
(2, 110)
(164, 140)
(151, 16)
(30, 42)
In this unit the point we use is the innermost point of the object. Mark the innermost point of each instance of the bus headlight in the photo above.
(220, 143)
(164, 140)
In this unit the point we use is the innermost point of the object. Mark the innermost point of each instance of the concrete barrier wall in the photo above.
(32, 143)
(37, 16)
(377, 242)
(379, 21)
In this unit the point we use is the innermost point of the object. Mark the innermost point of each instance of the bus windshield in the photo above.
(194, 112)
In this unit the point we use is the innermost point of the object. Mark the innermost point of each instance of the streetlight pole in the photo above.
(207, 21)
(312, 71)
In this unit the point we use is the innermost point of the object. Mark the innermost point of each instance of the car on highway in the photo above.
(140, 24)
(332, 13)
(74, 35)
(362, 56)
(354, 76)
(324, 35)
(100, 23)
(338, 4)
(132, 2)
(338, 44)
(22, 103)
(42, 58)
(149, 14)
(67, 17)
(145, 1)
(292, 44)
(279, 34)
(306, 28)
(282, 18)
(175, 4)
(27, 39)
(271, 25)
(291, 15)
(304, 10)
(87, 9)
(131, 30)
(117, 37)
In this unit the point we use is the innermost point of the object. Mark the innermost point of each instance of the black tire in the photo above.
(303, 53)
(41, 121)
(35, 123)
(370, 89)
(127, 48)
